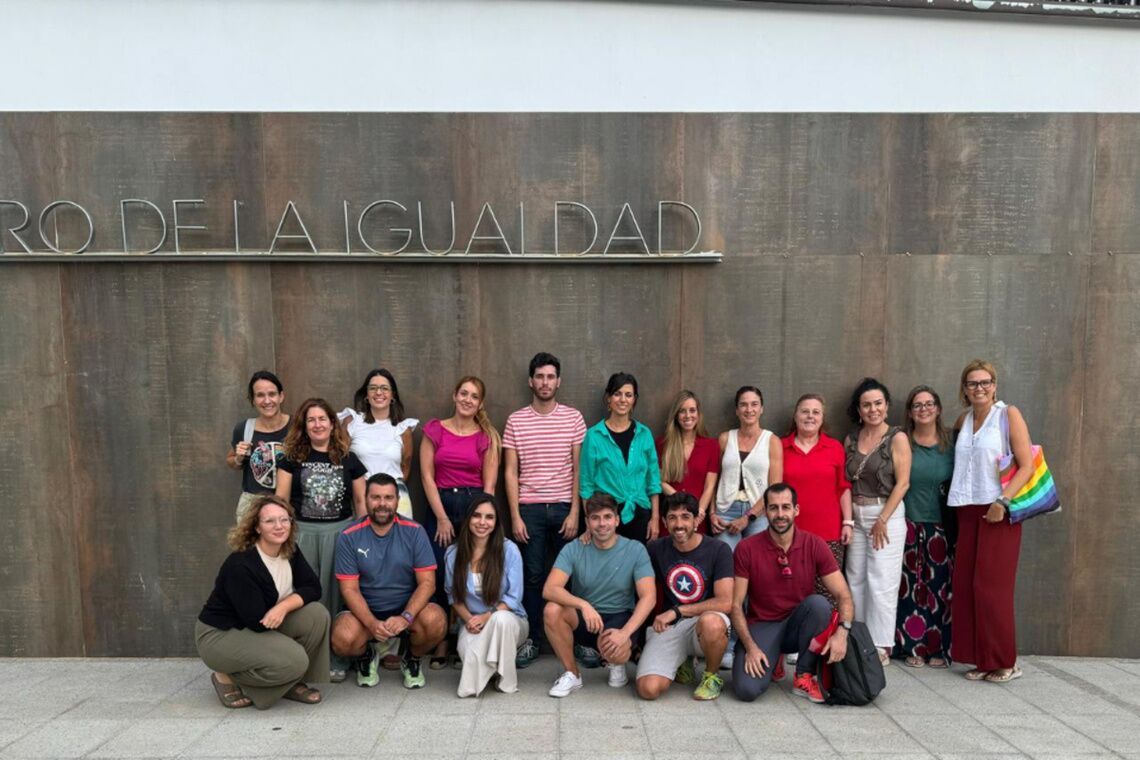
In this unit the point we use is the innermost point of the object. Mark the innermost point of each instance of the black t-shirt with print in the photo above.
(259, 470)
(688, 577)
(322, 491)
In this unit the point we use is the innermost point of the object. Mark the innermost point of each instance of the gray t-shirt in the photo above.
(606, 578)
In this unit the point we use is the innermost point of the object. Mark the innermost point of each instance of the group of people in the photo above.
(728, 552)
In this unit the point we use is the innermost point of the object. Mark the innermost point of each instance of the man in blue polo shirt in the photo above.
(386, 570)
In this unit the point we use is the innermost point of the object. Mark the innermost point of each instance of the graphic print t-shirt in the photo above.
(259, 471)
(322, 491)
(688, 577)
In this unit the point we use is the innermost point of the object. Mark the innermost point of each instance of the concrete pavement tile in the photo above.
(495, 733)
(1036, 734)
(349, 700)
(1120, 733)
(920, 755)
(797, 756)
(596, 696)
(1058, 697)
(679, 737)
(918, 699)
(514, 756)
(251, 738)
(330, 734)
(101, 708)
(156, 738)
(731, 754)
(959, 733)
(865, 731)
(643, 755)
(779, 734)
(34, 704)
(972, 756)
(11, 730)
(619, 734)
(63, 738)
(442, 735)
(985, 698)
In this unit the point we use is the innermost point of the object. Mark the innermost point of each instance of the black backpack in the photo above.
(856, 679)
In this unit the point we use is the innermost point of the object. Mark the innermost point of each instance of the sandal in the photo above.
(977, 675)
(938, 662)
(1005, 675)
(230, 694)
(884, 658)
(914, 662)
(303, 693)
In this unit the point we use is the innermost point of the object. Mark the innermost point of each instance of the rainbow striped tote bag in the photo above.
(1039, 495)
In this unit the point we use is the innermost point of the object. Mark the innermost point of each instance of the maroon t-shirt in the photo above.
(774, 594)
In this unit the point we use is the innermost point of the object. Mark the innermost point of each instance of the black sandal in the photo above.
(229, 694)
(303, 693)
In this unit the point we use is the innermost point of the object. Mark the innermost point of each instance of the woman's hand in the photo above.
(444, 532)
(995, 514)
(653, 529)
(739, 525)
(274, 618)
(243, 449)
(475, 623)
(716, 525)
(878, 534)
(846, 533)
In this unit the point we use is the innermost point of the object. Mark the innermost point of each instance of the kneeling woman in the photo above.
(485, 586)
(263, 631)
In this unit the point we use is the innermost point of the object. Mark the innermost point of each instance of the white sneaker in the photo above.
(618, 678)
(565, 685)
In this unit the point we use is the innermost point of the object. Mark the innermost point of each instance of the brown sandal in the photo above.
(303, 693)
(229, 694)
(976, 675)
(913, 661)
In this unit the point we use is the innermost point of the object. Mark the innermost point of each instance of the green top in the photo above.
(603, 468)
(606, 578)
(930, 473)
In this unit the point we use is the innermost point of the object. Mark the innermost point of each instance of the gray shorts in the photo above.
(664, 652)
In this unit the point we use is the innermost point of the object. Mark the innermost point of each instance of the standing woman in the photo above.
(878, 468)
(619, 458)
(985, 562)
(922, 632)
(263, 628)
(750, 458)
(815, 465)
(459, 458)
(324, 481)
(485, 586)
(256, 447)
(690, 459)
(381, 434)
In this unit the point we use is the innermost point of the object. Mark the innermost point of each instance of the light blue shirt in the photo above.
(512, 588)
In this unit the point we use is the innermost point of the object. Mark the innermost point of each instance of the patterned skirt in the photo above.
(923, 623)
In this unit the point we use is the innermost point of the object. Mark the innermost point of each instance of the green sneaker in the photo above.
(368, 667)
(686, 674)
(413, 672)
(709, 688)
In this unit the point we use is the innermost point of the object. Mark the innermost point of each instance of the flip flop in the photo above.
(229, 694)
(1004, 676)
(913, 662)
(939, 662)
(303, 693)
(977, 675)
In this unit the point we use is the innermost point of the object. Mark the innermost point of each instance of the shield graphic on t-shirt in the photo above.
(263, 463)
(686, 583)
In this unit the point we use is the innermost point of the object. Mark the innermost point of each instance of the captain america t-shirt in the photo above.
(688, 577)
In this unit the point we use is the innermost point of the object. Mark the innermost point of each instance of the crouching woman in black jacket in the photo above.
(263, 631)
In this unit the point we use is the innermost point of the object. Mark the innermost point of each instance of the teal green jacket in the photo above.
(603, 469)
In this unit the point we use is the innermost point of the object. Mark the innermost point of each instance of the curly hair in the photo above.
(865, 385)
(297, 443)
(244, 535)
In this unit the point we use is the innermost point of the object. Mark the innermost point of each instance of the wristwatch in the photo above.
(845, 625)
(677, 611)
(408, 616)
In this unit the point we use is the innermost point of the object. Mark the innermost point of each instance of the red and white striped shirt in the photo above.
(544, 443)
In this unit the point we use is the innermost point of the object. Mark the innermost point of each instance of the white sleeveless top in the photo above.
(755, 470)
(976, 455)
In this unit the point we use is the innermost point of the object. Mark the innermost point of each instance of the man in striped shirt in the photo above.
(541, 444)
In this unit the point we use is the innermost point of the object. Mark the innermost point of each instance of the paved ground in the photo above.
(1062, 708)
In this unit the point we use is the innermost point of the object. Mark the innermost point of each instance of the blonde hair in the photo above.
(974, 366)
(244, 535)
(673, 449)
(481, 418)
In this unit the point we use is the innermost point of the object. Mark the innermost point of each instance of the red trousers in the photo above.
(985, 567)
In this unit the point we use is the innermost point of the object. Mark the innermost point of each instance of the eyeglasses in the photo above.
(277, 521)
(379, 389)
(918, 406)
(973, 385)
(785, 568)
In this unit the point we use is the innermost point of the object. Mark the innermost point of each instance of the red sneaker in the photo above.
(806, 686)
(778, 673)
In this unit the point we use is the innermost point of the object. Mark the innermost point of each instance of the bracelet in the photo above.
(677, 612)
(408, 616)
(848, 523)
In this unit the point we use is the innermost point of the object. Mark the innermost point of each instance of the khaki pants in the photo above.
(266, 664)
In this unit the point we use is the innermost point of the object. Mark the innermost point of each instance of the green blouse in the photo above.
(603, 468)
(930, 473)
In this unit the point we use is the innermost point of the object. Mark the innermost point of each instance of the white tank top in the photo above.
(755, 467)
(975, 460)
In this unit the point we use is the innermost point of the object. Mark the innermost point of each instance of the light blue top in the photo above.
(606, 578)
(512, 588)
(603, 468)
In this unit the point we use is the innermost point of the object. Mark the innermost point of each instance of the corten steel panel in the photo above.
(1116, 184)
(40, 594)
(117, 349)
(943, 313)
(993, 183)
(1104, 521)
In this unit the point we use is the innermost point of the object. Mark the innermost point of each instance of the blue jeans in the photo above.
(455, 501)
(735, 510)
(544, 525)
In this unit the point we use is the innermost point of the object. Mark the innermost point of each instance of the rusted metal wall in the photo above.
(899, 246)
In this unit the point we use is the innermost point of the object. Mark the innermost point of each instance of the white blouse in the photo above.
(379, 445)
(976, 479)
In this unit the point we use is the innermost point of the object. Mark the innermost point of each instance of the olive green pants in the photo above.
(266, 664)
